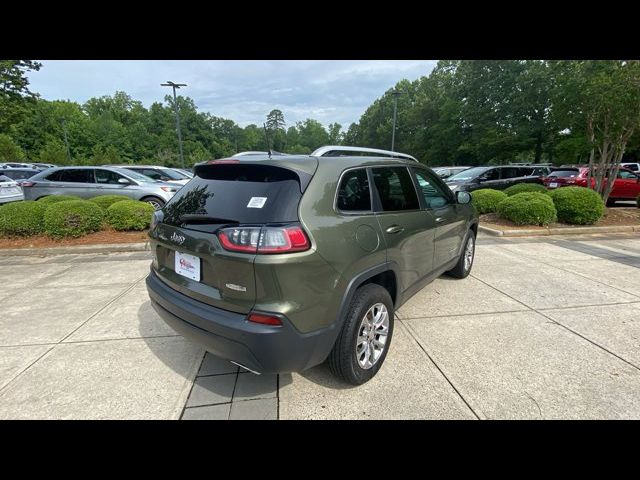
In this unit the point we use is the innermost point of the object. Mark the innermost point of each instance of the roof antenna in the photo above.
(266, 134)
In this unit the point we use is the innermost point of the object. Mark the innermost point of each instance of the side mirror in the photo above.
(124, 181)
(463, 197)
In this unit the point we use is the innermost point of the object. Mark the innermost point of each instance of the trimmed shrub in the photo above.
(72, 218)
(486, 200)
(528, 208)
(51, 199)
(578, 205)
(130, 215)
(525, 187)
(22, 218)
(105, 201)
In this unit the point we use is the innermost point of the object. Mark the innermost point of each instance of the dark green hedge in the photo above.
(50, 199)
(578, 205)
(22, 218)
(486, 200)
(73, 218)
(105, 201)
(528, 208)
(130, 215)
(525, 187)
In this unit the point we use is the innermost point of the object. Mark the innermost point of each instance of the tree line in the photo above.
(468, 112)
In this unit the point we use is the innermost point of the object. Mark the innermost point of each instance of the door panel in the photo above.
(408, 230)
(449, 226)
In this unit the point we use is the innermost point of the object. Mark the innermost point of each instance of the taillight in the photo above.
(264, 319)
(264, 239)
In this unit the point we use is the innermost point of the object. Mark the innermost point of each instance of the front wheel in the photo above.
(465, 262)
(364, 340)
(155, 202)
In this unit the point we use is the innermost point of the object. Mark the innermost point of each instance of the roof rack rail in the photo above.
(324, 151)
(252, 152)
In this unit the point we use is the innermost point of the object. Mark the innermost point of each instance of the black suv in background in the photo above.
(497, 178)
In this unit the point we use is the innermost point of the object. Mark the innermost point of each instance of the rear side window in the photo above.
(354, 194)
(107, 176)
(72, 175)
(395, 189)
(227, 193)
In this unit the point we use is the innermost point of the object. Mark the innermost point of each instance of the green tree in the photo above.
(603, 97)
(275, 125)
(54, 151)
(10, 150)
(15, 95)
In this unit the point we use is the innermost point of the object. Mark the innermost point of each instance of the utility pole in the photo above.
(175, 105)
(66, 140)
(395, 94)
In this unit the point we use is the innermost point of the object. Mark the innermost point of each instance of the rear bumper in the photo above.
(228, 335)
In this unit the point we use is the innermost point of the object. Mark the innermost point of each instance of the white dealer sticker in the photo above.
(257, 202)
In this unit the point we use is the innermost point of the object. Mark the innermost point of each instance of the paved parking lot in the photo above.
(543, 328)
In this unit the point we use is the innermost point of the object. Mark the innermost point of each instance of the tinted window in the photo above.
(468, 174)
(625, 174)
(433, 195)
(107, 176)
(564, 173)
(513, 172)
(493, 174)
(395, 189)
(247, 194)
(353, 193)
(632, 166)
(148, 172)
(19, 174)
(72, 175)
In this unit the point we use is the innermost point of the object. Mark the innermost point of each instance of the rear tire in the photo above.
(155, 202)
(465, 262)
(364, 340)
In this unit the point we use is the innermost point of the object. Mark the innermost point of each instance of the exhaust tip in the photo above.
(246, 368)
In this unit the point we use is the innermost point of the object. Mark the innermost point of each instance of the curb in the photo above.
(77, 249)
(558, 231)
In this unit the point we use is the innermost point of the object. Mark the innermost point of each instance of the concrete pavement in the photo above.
(543, 328)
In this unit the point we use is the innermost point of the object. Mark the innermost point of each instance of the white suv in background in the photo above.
(10, 191)
(631, 166)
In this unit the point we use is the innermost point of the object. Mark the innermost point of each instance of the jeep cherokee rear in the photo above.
(278, 264)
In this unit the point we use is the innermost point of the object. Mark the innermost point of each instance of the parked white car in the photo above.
(10, 191)
(631, 166)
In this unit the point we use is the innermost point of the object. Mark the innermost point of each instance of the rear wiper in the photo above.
(194, 218)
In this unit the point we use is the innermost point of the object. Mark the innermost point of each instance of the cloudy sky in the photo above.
(242, 90)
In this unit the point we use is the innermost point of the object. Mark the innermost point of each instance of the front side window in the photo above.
(493, 174)
(395, 189)
(107, 176)
(353, 193)
(433, 195)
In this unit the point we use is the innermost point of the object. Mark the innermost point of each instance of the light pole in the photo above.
(395, 94)
(66, 140)
(175, 105)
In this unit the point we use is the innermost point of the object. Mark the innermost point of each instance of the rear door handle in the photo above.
(395, 229)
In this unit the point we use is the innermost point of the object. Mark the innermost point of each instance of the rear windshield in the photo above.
(564, 173)
(246, 194)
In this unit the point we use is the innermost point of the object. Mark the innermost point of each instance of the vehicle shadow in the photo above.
(161, 340)
(320, 375)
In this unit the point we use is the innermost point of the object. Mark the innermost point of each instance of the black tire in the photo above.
(343, 360)
(461, 270)
(611, 202)
(155, 202)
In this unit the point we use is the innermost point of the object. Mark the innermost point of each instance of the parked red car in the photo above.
(625, 187)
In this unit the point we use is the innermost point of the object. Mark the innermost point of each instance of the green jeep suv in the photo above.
(278, 263)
